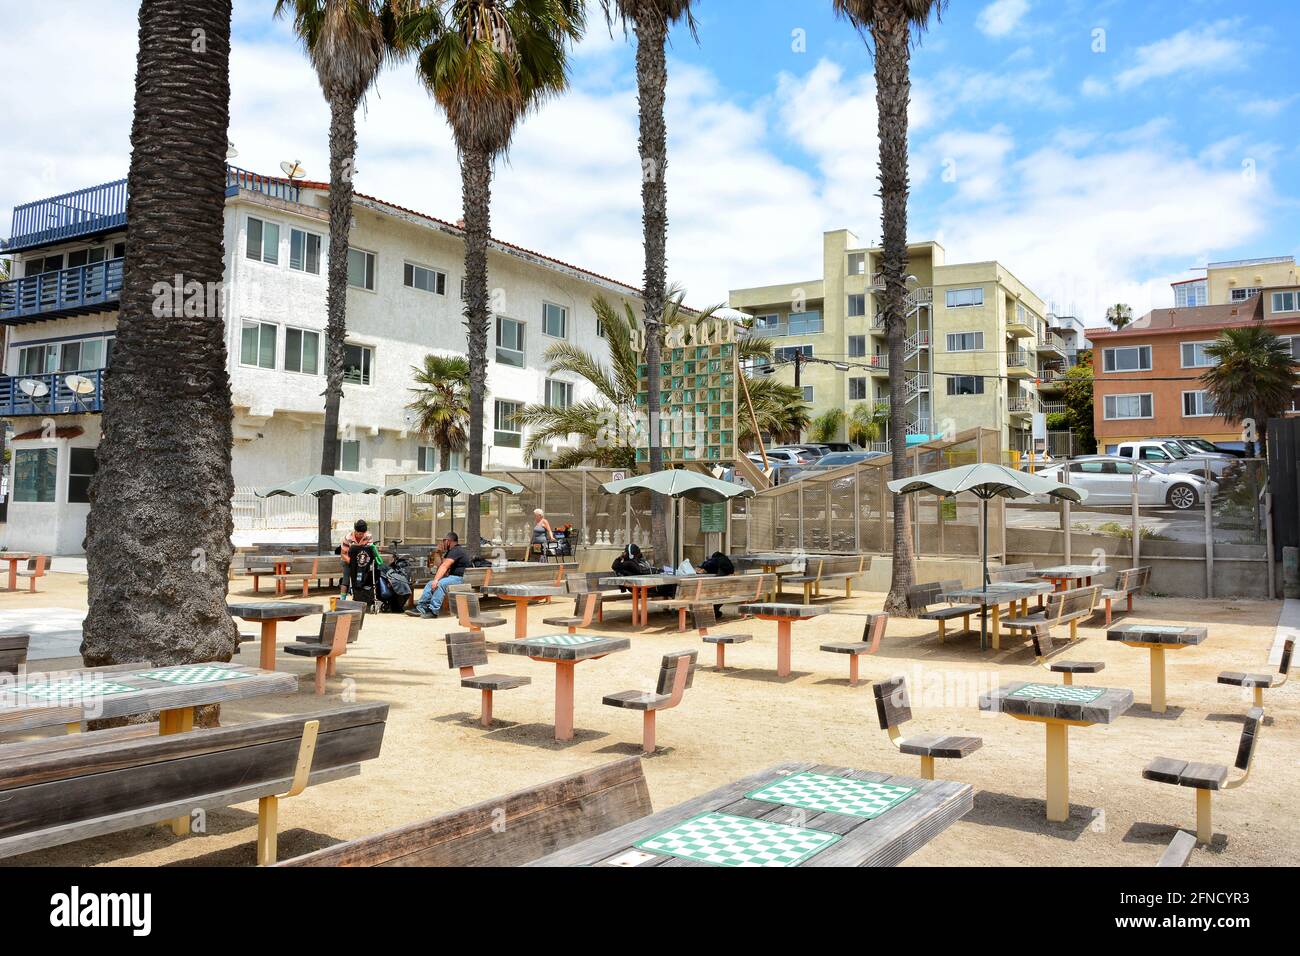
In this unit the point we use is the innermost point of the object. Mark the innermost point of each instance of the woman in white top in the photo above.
(542, 533)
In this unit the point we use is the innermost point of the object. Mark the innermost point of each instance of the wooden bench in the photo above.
(250, 564)
(529, 574)
(872, 632)
(63, 789)
(1013, 573)
(1062, 607)
(1043, 650)
(1259, 682)
(1127, 583)
(706, 590)
(1179, 850)
(817, 570)
(304, 570)
(923, 598)
(13, 652)
(332, 644)
(585, 608)
(468, 612)
(320, 637)
(506, 831)
(894, 708)
(588, 582)
(1206, 778)
(676, 674)
(468, 650)
(36, 568)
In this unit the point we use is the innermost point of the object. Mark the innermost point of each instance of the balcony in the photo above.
(1022, 405)
(1052, 408)
(1023, 323)
(1051, 342)
(1051, 379)
(1020, 363)
(51, 393)
(877, 364)
(76, 291)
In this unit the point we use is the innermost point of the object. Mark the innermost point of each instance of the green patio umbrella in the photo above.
(678, 483)
(985, 481)
(317, 485)
(451, 484)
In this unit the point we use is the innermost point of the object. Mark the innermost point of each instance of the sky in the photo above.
(1099, 149)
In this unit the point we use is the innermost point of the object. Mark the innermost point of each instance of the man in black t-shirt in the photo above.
(450, 571)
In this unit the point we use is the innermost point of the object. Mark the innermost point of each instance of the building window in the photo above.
(965, 384)
(507, 432)
(857, 305)
(85, 355)
(857, 346)
(960, 298)
(555, 320)
(82, 466)
(808, 394)
(1128, 358)
(427, 280)
(1286, 301)
(770, 323)
(1197, 405)
(257, 346)
(304, 251)
(510, 342)
(1116, 407)
(361, 269)
(426, 457)
(857, 263)
(559, 394)
(1241, 295)
(349, 455)
(358, 364)
(1194, 355)
(1293, 343)
(301, 351)
(263, 241)
(34, 473)
(857, 389)
(805, 323)
(1188, 295)
(600, 328)
(966, 342)
(786, 353)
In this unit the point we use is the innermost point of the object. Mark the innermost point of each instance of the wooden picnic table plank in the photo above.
(521, 595)
(1011, 593)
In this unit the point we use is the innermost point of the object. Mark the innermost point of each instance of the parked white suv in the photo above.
(1170, 455)
(1108, 479)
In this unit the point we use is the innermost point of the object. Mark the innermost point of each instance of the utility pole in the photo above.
(798, 365)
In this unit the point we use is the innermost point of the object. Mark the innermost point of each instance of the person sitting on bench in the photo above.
(451, 570)
(719, 564)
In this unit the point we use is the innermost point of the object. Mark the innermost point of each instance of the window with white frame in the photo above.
(857, 263)
(426, 458)
(808, 394)
(1194, 355)
(257, 344)
(768, 322)
(960, 298)
(555, 320)
(965, 384)
(1139, 405)
(857, 346)
(857, 305)
(301, 351)
(304, 251)
(965, 341)
(857, 389)
(1127, 358)
(262, 244)
(1191, 294)
(361, 269)
(427, 280)
(349, 455)
(1197, 404)
(507, 432)
(1293, 343)
(510, 342)
(786, 353)
(1241, 295)
(358, 364)
(1286, 301)
(559, 394)
(80, 355)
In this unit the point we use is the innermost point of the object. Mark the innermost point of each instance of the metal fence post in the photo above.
(1209, 535)
(1136, 548)
(1065, 514)
(1268, 542)
(857, 508)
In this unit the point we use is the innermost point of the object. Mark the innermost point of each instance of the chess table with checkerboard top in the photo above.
(788, 815)
(565, 651)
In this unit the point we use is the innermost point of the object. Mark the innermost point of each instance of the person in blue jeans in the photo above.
(450, 571)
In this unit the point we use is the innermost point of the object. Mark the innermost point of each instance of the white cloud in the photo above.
(1001, 17)
(1203, 49)
(1267, 107)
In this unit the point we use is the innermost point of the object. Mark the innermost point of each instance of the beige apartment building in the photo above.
(982, 349)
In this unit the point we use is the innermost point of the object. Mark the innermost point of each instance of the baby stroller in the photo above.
(363, 575)
(394, 582)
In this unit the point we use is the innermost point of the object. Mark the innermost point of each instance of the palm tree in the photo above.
(867, 423)
(1119, 315)
(347, 42)
(158, 534)
(891, 24)
(650, 20)
(826, 426)
(441, 403)
(487, 63)
(1253, 380)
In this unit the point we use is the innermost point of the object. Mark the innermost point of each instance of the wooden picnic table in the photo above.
(1158, 638)
(640, 585)
(793, 814)
(784, 615)
(270, 613)
(770, 562)
(1065, 576)
(1058, 707)
(565, 651)
(1014, 594)
(522, 595)
(281, 562)
(15, 558)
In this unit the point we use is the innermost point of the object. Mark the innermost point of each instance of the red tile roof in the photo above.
(1196, 318)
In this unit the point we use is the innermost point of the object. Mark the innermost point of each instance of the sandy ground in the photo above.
(436, 757)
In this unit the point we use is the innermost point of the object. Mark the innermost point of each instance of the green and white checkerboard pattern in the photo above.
(824, 793)
(563, 640)
(194, 674)
(1058, 692)
(73, 688)
(725, 840)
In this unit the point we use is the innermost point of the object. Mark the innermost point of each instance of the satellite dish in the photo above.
(33, 388)
(231, 152)
(293, 169)
(79, 385)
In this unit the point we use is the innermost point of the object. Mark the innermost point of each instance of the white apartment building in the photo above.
(405, 275)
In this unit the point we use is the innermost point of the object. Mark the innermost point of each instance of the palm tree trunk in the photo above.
(651, 81)
(158, 536)
(343, 148)
(890, 31)
(476, 188)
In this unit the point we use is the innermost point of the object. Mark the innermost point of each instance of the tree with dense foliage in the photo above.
(1078, 414)
(1119, 315)
(867, 423)
(441, 404)
(1253, 379)
(826, 426)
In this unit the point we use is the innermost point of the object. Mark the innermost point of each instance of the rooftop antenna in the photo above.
(231, 152)
(293, 169)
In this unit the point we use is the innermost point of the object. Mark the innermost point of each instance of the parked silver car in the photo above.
(1108, 479)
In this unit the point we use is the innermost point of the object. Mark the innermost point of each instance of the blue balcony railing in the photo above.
(51, 393)
(275, 186)
(66, 292)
